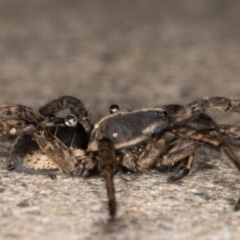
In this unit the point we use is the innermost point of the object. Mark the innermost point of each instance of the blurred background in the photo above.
(132, 53)
(127, 52)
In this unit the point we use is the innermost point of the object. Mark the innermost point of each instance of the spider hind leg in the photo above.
(107, 161)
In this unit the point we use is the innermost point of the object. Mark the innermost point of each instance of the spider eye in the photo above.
(51, 117)
(165, 113)
(114, 108)
(158, 113)
(71, 120)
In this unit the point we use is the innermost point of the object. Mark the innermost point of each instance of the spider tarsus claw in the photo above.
(80, 172)
(52, 176)
(112, 209)
(10, 167)
(173, 179)
(182, 173)
(85, 173)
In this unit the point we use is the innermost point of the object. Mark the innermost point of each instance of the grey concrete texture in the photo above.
(133, 53)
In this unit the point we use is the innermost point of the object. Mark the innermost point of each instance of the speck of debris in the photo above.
(115, 134)
(202, 195)
(23, 204)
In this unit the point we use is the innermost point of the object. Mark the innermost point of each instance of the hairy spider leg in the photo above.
(202, 139)
(107, 161)
(75, 106)
(20, 112)
(11, 126)
(195, 139)
(192, 110)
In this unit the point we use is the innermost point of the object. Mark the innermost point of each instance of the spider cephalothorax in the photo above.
(134, 140)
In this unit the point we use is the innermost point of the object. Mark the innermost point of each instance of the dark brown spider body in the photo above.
(134, 140)
(129, 128)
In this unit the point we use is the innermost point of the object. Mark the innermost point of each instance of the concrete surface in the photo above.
(132, 53)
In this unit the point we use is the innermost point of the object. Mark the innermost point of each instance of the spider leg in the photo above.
(202, 139)
(147, 156)
(75, 106)
(180, 150)
(184, 169)
(15, 126)
(11, 126)
(191, 111)
(128, 161)
(201, 119)
(107, 161)
(142, 157)
(230, 131)
(195, 140)
(20, 112)
(237, 205)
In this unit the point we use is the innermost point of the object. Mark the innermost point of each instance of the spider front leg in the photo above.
(75, 106)
(11, 126)
(20, 112)
(191, 111)
(232, 132)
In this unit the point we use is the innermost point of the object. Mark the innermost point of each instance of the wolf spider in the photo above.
(132, 140)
